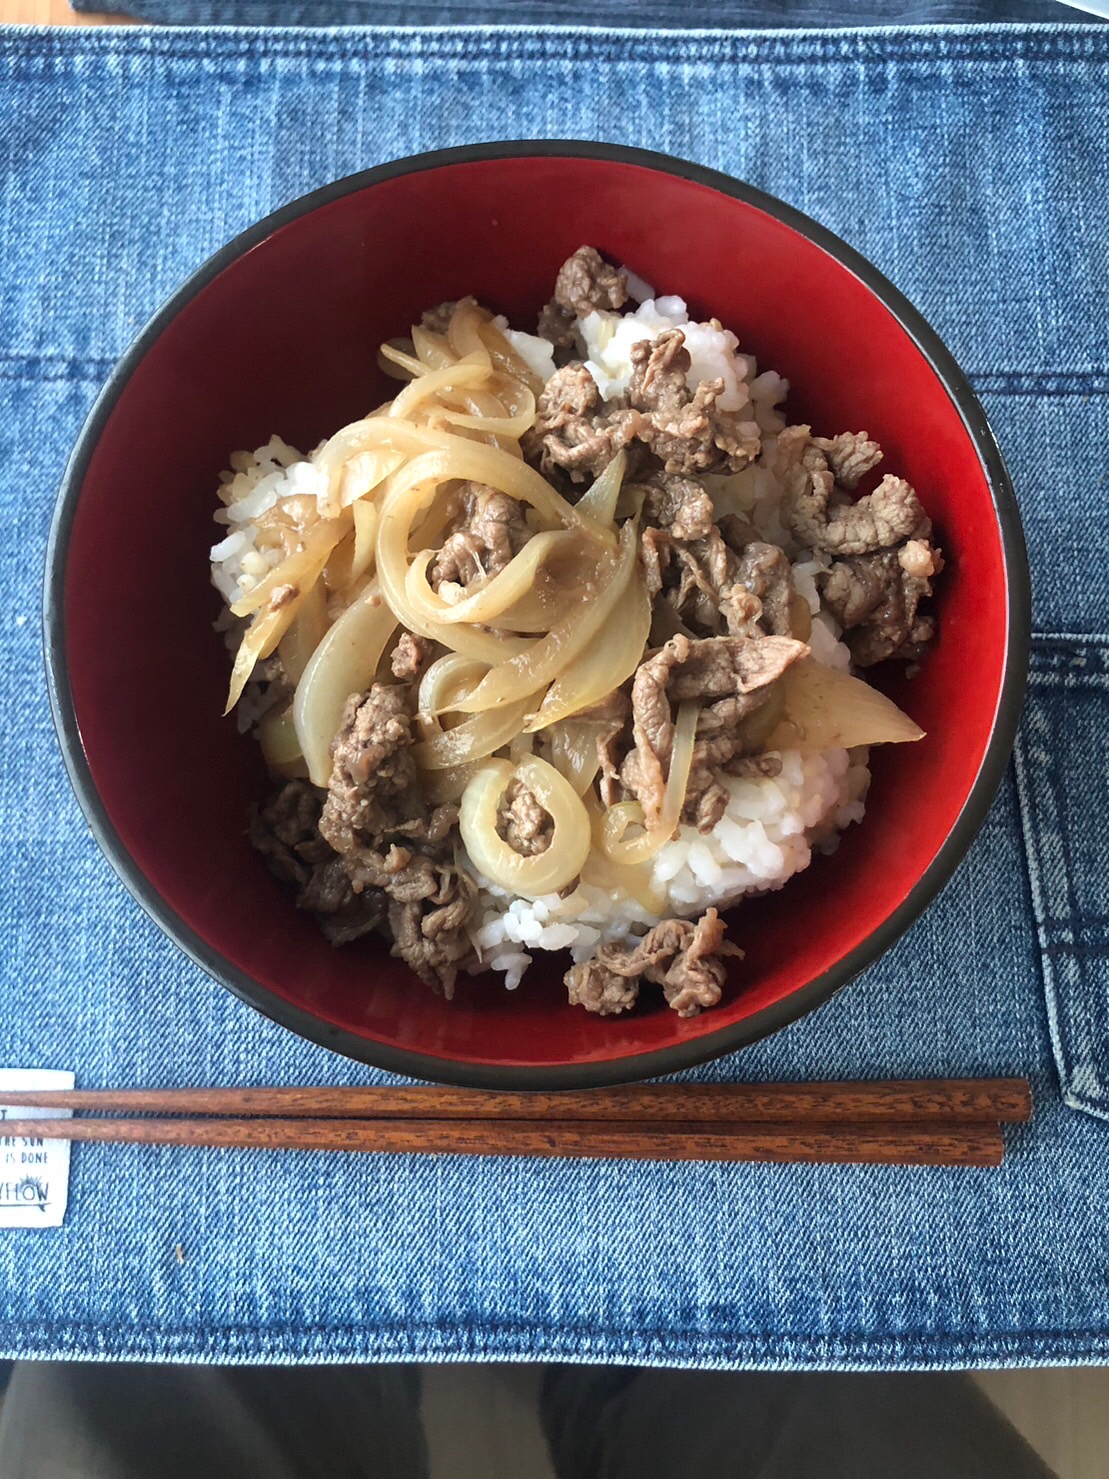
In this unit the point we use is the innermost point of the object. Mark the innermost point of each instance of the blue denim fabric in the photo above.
(969, 164)
(722, 15)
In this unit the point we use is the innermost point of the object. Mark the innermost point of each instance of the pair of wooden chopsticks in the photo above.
(939, 1122)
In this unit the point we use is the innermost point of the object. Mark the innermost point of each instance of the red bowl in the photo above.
(277, 333)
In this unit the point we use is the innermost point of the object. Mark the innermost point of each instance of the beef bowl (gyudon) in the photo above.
(573, 644)
(563, 648)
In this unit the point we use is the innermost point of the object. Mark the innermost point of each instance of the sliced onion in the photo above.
(546, 872)
(600, 500)
(446, 680)
(280, 746)
(365, 537)
(473, 739)
(394, 356)
(408, 496)
(305, 633)
(618, 818)
(432, 350)
(548, 656)
(343, 664)
(826, 709)
(484, 603)
(300, 568)
(602, 666)
(468, 371)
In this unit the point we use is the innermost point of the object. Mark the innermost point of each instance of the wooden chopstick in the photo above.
(988, 1101)
(920, 1143)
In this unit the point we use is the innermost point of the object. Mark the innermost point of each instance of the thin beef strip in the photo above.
(377, 819)
(729, 677)
(885, 558)
(488, 529)
(875, 598)
(585, 282)
(685, 958)
(612, 717)
(524, 824)
(286, 832)
(576, 429)
(684, 428)
(409, 656)
(714, 590)
(678, 504)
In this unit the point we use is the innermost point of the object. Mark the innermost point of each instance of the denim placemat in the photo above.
(721, 15)
(969, 164)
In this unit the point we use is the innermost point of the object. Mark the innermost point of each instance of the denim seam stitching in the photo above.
(505, 43)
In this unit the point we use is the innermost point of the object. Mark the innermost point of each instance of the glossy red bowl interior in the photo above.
(278, 333)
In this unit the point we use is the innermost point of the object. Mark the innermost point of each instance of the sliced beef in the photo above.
(523, 823)
(712, 589)
(487, 529)
(575, 429)
(765, 574)
(409, 656)
(850, 455)
(585, 282)
(342, 914)
(875, 598)
(432, 934)
(684, 428)
(685, 958)
(885, 558)
(680, 505)
(377, 819)
(286, 832)
(821, 515)
(729, 678)
(612, 716)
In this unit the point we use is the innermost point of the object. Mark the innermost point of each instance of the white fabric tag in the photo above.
(34, 1173)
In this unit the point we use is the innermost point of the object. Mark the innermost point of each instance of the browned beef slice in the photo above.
(712, 589)
(612, 716)
(677, 504)
(378, 820)
(575, 429)
(585, 282)
(488, 529)
(286, 832)
(342, 914)
(875, 598)
(883, 543)
(409, 656)
(850, 455)
(684, 428)
(523, 823)
(729, 678)
(685, 958)
(432, 935)
(820, 514)
(764, 572)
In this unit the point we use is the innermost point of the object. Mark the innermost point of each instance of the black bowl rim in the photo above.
(680, 1055)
